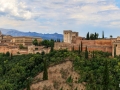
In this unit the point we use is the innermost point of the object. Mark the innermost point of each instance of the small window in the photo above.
(36, 48)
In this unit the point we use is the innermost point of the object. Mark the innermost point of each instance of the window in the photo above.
(36, 48)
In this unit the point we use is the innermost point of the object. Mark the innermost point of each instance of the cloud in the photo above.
(14, 9)
(59, 14)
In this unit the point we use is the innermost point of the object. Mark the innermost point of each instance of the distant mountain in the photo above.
(13, 32)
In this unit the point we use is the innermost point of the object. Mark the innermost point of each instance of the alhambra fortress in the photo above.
(11, 44)
(111, 45)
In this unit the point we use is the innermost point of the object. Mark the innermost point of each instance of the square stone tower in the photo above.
(69, 35)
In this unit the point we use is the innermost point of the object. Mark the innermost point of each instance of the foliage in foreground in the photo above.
(98, 71)
(15, 71)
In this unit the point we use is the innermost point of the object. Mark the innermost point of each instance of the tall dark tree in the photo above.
(106, 76)
(102, 34)
(86, 53)
(95, 36)
(79, 50)
(51, 50)
(81, 46)
(45, 72)
(87, 36)
(114, 50)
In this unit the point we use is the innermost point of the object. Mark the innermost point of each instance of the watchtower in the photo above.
(67, 36)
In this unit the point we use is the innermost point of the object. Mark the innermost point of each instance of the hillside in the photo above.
(67, 70)
(48, 36)
(58, 76)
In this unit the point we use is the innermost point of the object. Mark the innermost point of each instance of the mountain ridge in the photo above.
(48, 36)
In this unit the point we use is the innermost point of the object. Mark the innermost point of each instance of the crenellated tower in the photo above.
(69, 35)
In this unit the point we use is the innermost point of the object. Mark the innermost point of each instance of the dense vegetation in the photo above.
(97, 69)
(94, 36)
(100, 72)
(15, 71)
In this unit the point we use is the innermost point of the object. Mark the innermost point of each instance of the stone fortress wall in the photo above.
(11, 44)
(72, 39)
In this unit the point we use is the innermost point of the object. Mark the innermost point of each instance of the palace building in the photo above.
(11, 44)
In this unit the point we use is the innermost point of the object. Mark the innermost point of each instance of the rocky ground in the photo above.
(60, 77)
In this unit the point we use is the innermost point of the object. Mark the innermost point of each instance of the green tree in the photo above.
(106, 76)
(69, 80)
(8, 53)
(102, 34)
(96, 36)
(51, 50)
(87, 36)
(79, 50)
(45, 72)
(111, 36)
(81, 46)
(92, 36)
(115, 50)
(35, 42)
(86, 53)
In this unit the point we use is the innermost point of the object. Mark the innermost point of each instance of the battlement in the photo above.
(69, 35)
(67, 31)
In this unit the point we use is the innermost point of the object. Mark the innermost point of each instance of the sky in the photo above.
(51, 16)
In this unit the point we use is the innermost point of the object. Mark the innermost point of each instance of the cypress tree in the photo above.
(51, 50)
(86, 53)
(106, 76)
(87, 36)
(114, 50)
(81, 46)
(45, 73)
(79, 50)
(95, 36)
(103, 34)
